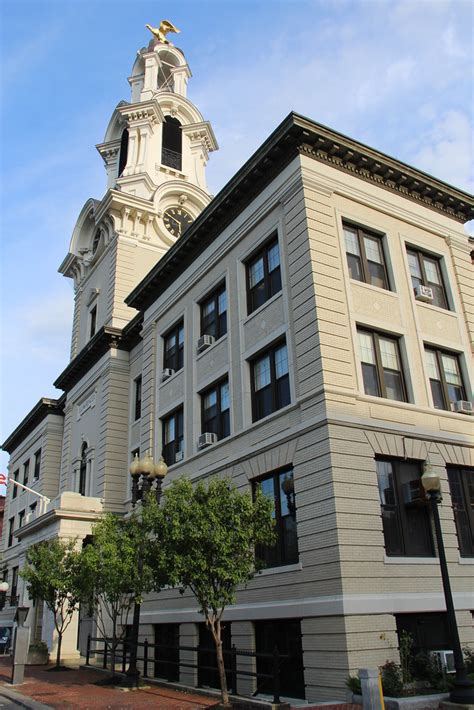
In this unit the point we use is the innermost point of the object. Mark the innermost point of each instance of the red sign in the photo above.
(3, 479)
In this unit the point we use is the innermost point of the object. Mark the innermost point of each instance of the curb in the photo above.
(21, 700)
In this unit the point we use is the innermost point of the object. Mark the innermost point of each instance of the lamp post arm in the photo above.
(30, 490)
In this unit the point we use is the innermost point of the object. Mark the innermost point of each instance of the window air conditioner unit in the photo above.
(167, 372)
(204, 342)
(462, 407)
(206, 439)
(179, 456)
(414, 493)
(445, 660)
(424, 293)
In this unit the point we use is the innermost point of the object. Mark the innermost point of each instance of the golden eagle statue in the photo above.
(161, 31)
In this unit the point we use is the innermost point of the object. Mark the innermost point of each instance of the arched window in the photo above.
(83, 470)
(172, 143)
(123, 152)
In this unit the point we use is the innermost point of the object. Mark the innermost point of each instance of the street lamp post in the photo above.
(145, 474)
(463, 691)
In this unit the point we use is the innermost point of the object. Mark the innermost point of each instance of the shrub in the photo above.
(468, 659)
(353, 683)
(392, 682)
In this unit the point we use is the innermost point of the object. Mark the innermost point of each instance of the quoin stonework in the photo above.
(307, 329)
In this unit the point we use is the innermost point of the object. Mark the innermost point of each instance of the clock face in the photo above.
(176, 220)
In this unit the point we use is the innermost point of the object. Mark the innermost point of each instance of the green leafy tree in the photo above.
(114, 574)
(52, 574)
(206, 538)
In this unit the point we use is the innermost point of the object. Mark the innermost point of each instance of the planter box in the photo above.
(37, 658)
(413, 702)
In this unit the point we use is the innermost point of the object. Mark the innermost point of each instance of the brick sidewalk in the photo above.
(77, 690)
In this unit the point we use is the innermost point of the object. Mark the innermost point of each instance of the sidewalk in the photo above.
(77, 690)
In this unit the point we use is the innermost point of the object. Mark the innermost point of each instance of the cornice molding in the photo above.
(34, 417)
(295, 136)
(145, 111)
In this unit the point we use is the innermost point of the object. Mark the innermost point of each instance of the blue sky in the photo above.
(395, 74)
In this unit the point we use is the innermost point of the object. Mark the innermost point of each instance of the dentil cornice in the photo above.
(143, 112)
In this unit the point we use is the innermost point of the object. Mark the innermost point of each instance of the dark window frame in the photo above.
(276, 556)
(11, 529)
(379, 368)
(15, 476)
(217, 327)
(175, 360)
(93, 321)
(438, 353)
(37, 466)
(440, 288)
(137, 386)
(172, 143)
(21, 518)
(463, 507)
(362, 232)
(271, 280)
(26, 472)
(402, 520)
(222, 417)
(14, 589)
(171, 448)
(278, 401)
(83, 470)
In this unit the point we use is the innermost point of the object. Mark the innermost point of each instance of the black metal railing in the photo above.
(102, 647)
(171, 158)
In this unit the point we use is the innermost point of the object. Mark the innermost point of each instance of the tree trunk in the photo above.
(216, 632)
(114, 646)
(58, 652)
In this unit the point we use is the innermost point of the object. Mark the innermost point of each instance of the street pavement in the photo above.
(77, 689)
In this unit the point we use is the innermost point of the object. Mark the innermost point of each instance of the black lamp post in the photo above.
(463, 691)
(150, 474)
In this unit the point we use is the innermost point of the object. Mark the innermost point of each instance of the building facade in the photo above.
(308, 330)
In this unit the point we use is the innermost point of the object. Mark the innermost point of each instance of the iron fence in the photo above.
(102, 647)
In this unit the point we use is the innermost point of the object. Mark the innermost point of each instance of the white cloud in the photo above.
(446, 149)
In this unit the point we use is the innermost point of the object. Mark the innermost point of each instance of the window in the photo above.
(285, 634)
(11, 526)
(172, 139)
(14, 590)
(167, 652)
(138, 397)
(381, 366)
(270, 382)
(279, 487)
(445, 378)
(429, 631)
(365, 256)
(33, 508)
(173, 439)
(461, 487)
(216, 410)
(214, 313)
(92, 321)
(26, 472)
(83, 470)
(263, 275)
(405, 512)
(37, 470)
(21, 518)
(174, 348)
(425, 271)
(15, 487)
(123, 152)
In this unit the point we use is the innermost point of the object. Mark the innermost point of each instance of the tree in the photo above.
(114, 574)
(52, 574)
(207, 537)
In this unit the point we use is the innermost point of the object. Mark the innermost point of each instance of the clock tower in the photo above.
(155, 152)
